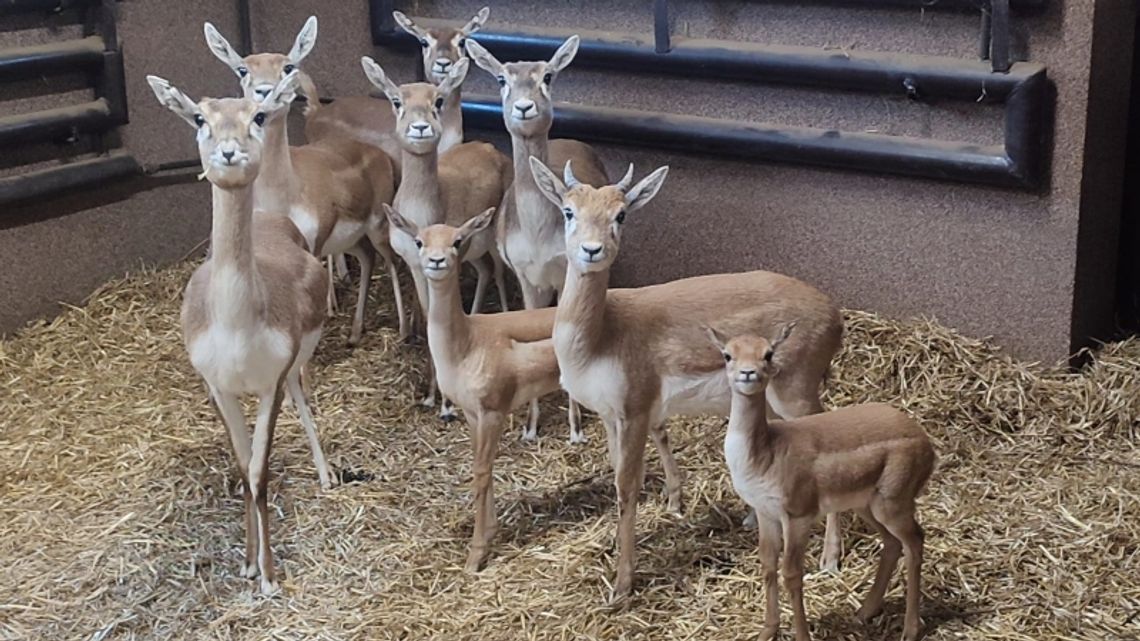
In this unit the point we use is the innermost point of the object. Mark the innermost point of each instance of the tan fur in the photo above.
(488, 364)
(449, 188)
(870, 458)
(649, 341)
(337, 178)
(252, 313)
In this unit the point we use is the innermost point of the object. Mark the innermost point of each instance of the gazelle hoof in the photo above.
(269, 588)
(249, 570)
(530, 434)
(427, 401)
(476, 560)
(829, 563)
(578, 437)
(750, 520)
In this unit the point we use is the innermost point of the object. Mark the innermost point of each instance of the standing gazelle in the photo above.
(530, 227)
(252, 313)
(333, 189)
(871, 458)
(635, 356)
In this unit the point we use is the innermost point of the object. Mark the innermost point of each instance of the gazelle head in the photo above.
(230, 130)
(525, 86)
(749, 360)
(260, 72)
(441, 247)
(442, 47)
(417, 105)
(594, 215)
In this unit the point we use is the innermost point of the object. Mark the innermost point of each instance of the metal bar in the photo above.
(756, 141)
(984, 35)
(927, 5)
(63, 123)
(69, 56)
(84, 173)
(381, 20)
(111, 85)
(14, 7)
(883, 73)
(661, 26)
(245, 27)
(999, 35)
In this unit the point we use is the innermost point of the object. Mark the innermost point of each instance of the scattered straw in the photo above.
(119, 517)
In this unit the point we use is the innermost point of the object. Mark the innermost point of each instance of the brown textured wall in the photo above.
(60, 249)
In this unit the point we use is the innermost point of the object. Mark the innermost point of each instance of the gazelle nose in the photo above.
(442, 64)
(228, 155)
(749, 374)
(523, 106)
(261, 92)
(420, 126)
(592, 249)
(435, 261)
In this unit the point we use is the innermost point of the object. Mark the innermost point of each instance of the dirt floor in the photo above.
(120, 515)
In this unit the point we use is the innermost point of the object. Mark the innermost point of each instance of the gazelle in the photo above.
(252, 313)
(370, 120)
(488, 364)
(333, 190)
(530, 227)
(450, 188)
(870, 458)
(639, 356)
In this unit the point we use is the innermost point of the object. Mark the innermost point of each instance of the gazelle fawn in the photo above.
(332, 189)
(634, 356)
(371, 120)
(529, 226)
(488, 364)
(872, 458)
(252, 313)
(450, 188)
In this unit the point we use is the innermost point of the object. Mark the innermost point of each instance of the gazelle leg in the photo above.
(301, 402)
(486, 432)
(629, 477)
(268, 407)
(769, 534)
(331, 303)
(796, 531)
(899, 519)
(888, 559)
(341, 268)
(500, 281)
(484, 272)
(530, 430)
(366, 255)
(229, 409)
(574, 418)
(672, 470)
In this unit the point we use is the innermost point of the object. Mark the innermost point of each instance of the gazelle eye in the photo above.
(397, 104)
(438, 103)
(242, 71)
(259, 119)
(199, 120)
(547, 78)
(289, 69)
(457, 243)
(620, 217)
(502, 81)
(419, 244)
(727, 357)
(463, 43)
(424, 43)
(569, 213)
(768, 355)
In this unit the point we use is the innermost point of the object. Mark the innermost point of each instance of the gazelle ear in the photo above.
(221, 48)
(644, 191)
(305, 41)
(473, 227)
(407, 25)
(565, 54)
(717, 339)
(477, 22)
(785, 332)
(484, 59)
(547, 182)
(398, 221)
(284, 93)
(173, 99)
(380, 80)
(455, 76)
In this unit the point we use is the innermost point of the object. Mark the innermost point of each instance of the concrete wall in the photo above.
(985, 260)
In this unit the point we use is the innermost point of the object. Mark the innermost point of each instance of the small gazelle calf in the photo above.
(487, 364)
(871, 458)
(252, 313)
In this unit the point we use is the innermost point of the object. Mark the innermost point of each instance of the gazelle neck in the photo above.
(234, 285)
(449, 332)
(748, 422)
(581, 306)
(276, 186)
(452, 121)
(420, 196)
(536, 214)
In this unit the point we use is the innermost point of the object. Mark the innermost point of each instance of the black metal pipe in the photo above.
(883, 73)
(380, 19)
(69, 56)
(928, 5)
(245, 27)
(14, 7)
(754, 141)
(999, 36)
(82, 174)
(60, 124)
(661, 26)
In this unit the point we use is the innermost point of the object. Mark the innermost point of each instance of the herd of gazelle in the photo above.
(387, 180)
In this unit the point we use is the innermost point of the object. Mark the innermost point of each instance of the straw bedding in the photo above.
(120, 516)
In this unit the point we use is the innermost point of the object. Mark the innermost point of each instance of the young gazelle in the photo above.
(871, 458)
(370, 120)
(332, 189)
(252, 313)
(530, 227)
(447, 188)
(488, 364)
(635, 356)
